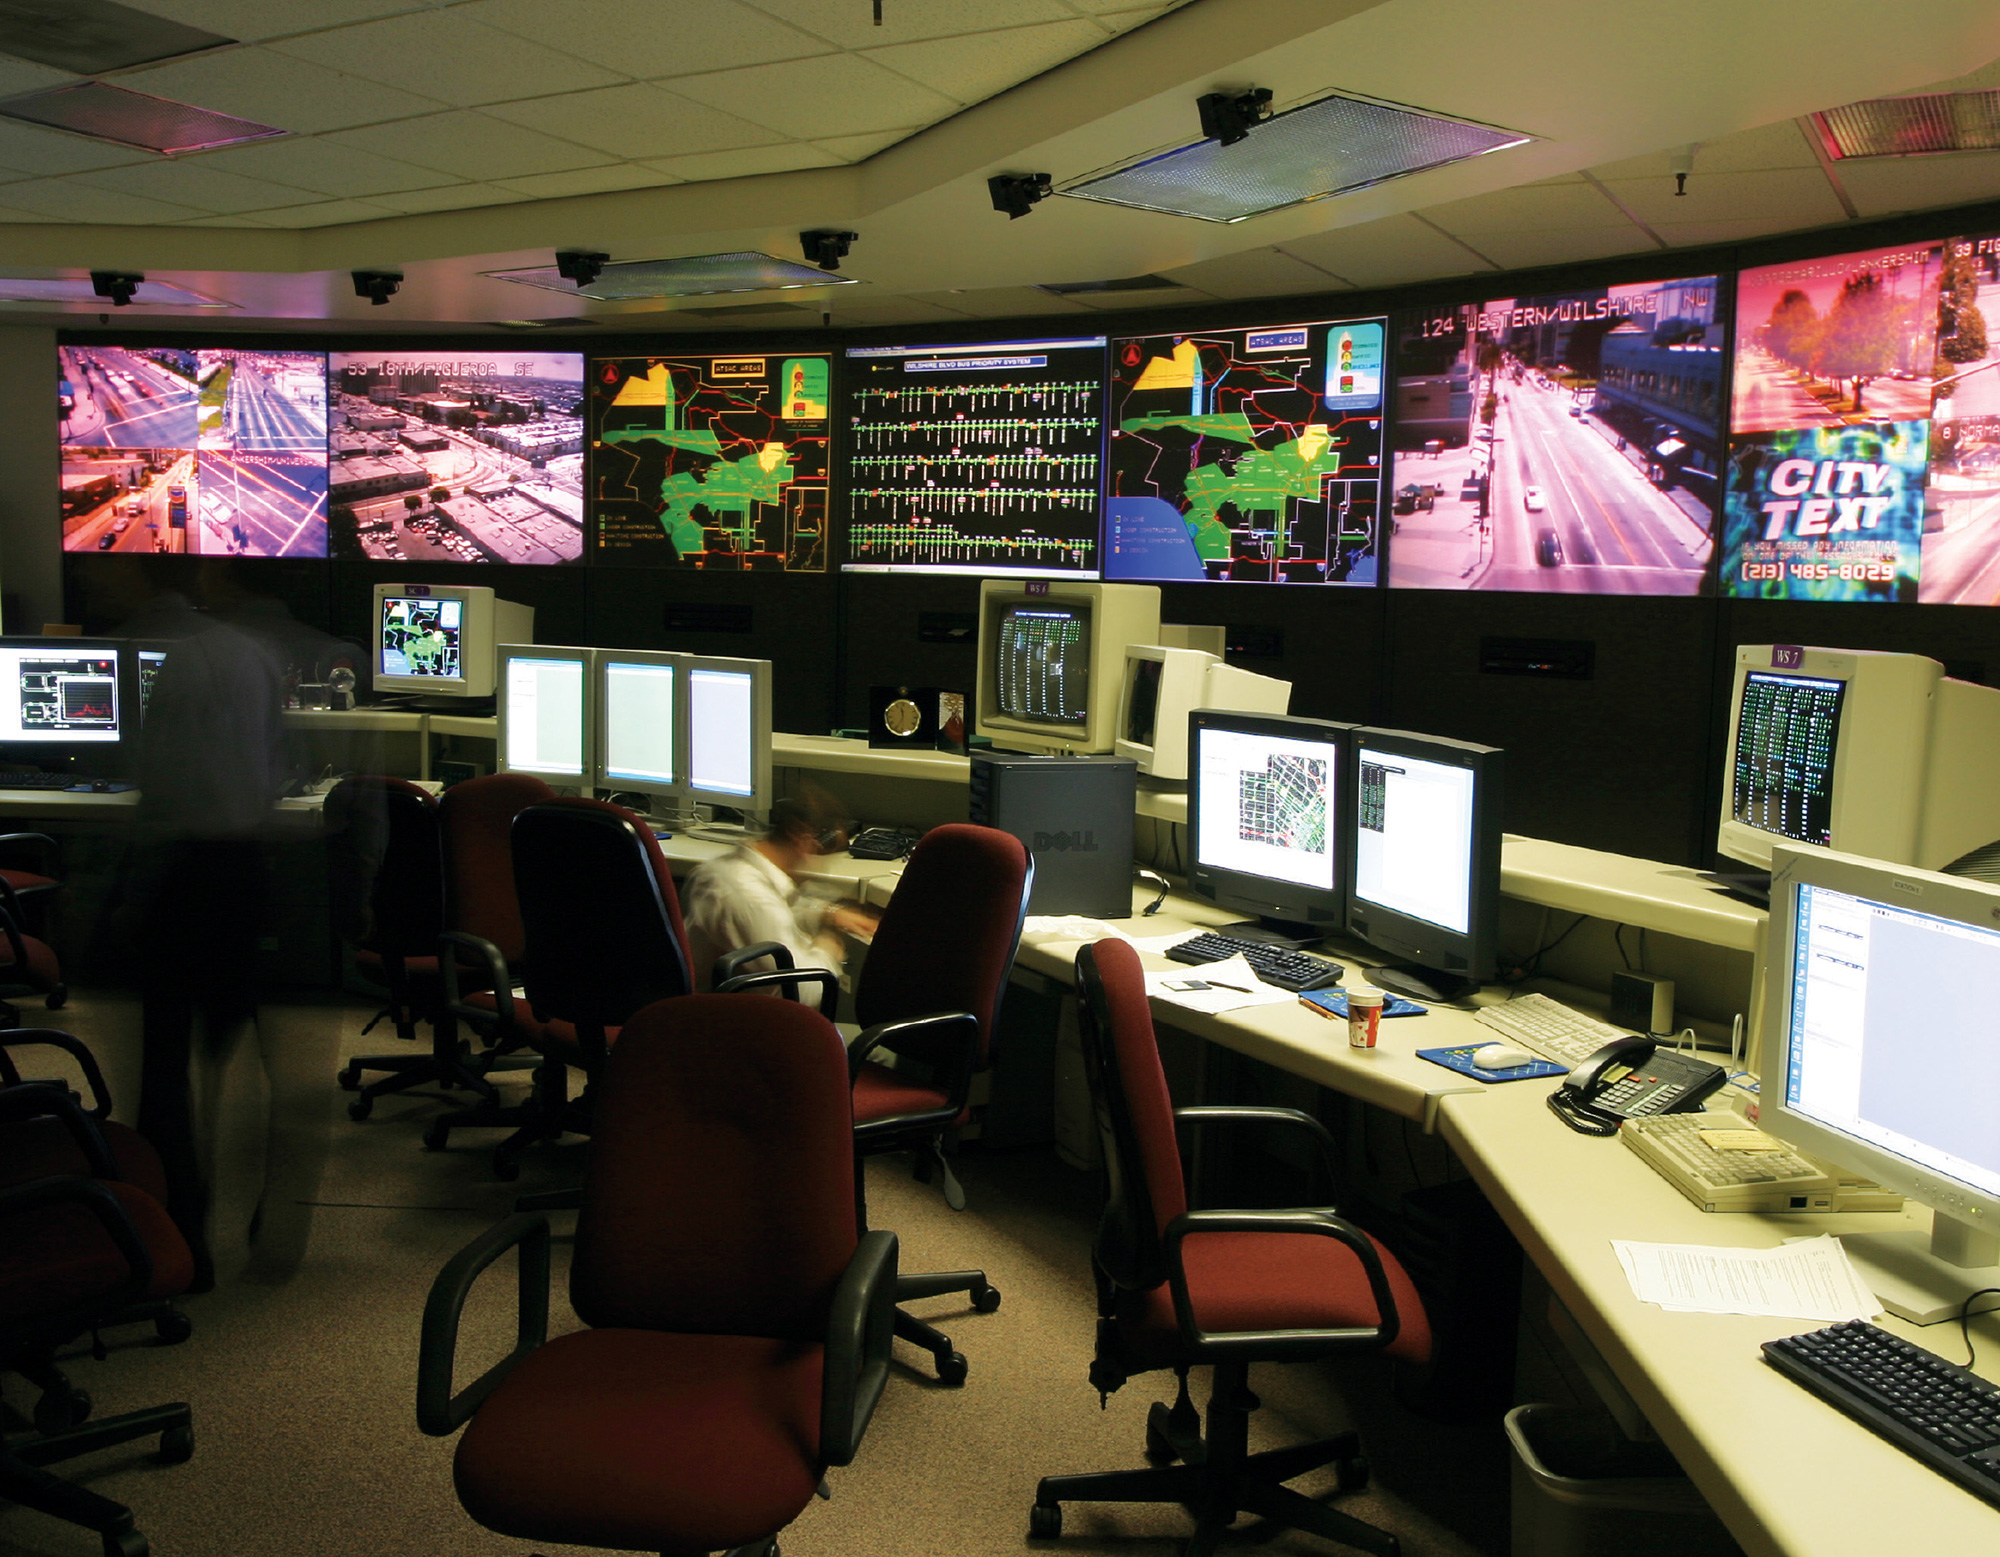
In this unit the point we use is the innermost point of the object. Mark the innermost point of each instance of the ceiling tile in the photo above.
(890, 310)
(471, 145)
(238, 220)
(1156, 297)
(275, 89)
(1528, 209)
(588, 181)
(325, 214)
(1385, 252)
(1682, 235)
(1000, 302)
(81, 203)
(249, 20)
(1800, 197)
(1881, 186)
(850, 23)
(452, 197)
(29, 150)
(1100, 7)
(637, 121)
(632, 38)
(972, 69)
(1983, 79)
(8, 214)
(1123, 20)
(440, 54)
(1519, 250)
(196, 184)
(323, 166)
(859, 148)
(19, 75)
(1255, 273)
(1779, 145)
(747, 163)
(838, 94)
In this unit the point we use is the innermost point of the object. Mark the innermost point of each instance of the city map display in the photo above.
(1565, 443)
(1284, 803)
(712, 462)
(975, 459)
(1251, 454)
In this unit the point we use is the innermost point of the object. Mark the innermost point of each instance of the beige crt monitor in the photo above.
(1051, 660)
(1871, 753)
(1163, 685)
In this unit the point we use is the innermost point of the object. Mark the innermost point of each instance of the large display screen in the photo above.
(710, 461)
(456, 456)
(979, 459)
(1570, 442)
(1249, 455)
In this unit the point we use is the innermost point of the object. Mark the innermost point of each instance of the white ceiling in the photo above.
(449, 137)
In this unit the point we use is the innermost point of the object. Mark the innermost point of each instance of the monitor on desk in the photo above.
(441, 640)
(1423, 852)
(727, 708)
(545, 712)
(1880, 995)
(1264, 819)
(1870, 753)
(639, 725)
(60, 699)
(1051, 658)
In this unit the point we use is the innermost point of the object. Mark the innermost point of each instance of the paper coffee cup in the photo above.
(1364, 1017)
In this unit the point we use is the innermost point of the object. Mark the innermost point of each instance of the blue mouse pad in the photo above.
(1459, 1058)
(1333, 1002)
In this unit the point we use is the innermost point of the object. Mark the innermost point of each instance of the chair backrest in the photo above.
(599, 912)
(1144, 1190)
(477, 817)
(719, 1198)
(385, 865)
(948, 937)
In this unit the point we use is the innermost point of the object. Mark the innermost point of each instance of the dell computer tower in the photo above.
(1075, 816)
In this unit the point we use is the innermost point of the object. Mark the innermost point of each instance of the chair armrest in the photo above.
(788, 979)
(100, 1202)
(75, 1048)
(483, 952)
(860, 1328)
(730, 964)
(438, 1410)
(49, 852)
(1244, 1113)
(10, 926)
(1278, 1344)
(39, 1099)
(869, 1039)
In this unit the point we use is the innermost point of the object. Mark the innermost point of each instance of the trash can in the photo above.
(1581, 1489)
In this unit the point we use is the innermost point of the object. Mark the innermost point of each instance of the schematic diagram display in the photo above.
(1252, 454)
(64, 697)
(713, 462)
(1786, 731)
(975, 459)
(420, 637)
(1044, 665)
(1283, 804)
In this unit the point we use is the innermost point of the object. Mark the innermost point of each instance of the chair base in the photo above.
(950, 1363)
(547, 1115)
(24, 1481)
(447, 1065)
(1218, 1478)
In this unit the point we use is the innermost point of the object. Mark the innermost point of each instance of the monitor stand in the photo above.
(1420, 983)
(1276, 932)
(1926, 1279)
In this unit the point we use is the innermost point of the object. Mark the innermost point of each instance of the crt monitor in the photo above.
(1263, 819)
(60, 698)
(1870, 753)
(727, 717)
(1051, 661)
(440, 640)
(639, 723)
(1161, 686)
(1423, 852)
(545, 706)
(1879, 1057)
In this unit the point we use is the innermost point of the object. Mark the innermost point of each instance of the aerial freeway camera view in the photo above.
(128, 442)
(261, 423)
(1563, 443)
(710, 462)
(456, 456)
(1247, 455)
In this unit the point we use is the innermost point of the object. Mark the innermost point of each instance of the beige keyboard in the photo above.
(1768, 1181)
(1550, 1028)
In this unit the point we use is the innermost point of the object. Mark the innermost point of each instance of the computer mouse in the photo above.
(1501, 1056)
(100, 786)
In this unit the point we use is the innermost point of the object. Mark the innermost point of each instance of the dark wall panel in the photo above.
(883, 620)
(1328, 641)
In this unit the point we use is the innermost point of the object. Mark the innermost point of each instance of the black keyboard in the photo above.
(39, 780)
(1283, 966)
(1947, 1417)
(882, 843)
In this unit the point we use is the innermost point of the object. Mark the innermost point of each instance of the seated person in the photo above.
(752, 894)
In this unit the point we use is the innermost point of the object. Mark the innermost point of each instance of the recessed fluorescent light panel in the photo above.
(109, 113)
(89, 37)
(695, 275)
(1329, 146)
(78, 290)
(1911, 126)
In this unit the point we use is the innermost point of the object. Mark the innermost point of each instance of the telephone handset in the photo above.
(1632, 1078)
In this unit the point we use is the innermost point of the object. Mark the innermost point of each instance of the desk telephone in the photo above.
(1632, 1078)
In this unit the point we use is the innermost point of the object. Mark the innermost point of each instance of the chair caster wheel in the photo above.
(1045, 1521)
(435, 1137)
(126, 1543)
(173, 1327)
(59, 1410)
(360, 1109)
(349, 1078)
(1353, 1473)
(56, 998)
(505, 1168)
(1159, 1447)
(951, 1370)
(176, 1446)
(986, 1299)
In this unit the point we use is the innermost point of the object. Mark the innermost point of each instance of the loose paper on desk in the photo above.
(1809, 1278)
(1232, 985)
(1070, 927)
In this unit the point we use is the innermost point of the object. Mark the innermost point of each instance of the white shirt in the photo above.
(741, 898)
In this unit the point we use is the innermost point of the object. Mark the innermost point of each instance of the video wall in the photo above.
(1824, 429)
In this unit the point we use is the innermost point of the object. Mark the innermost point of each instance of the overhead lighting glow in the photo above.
(695, 275)
(1911, 126)
(109, 113)
(79, 290)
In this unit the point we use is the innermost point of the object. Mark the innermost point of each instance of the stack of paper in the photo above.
(1229, 985)
(1808, 1278)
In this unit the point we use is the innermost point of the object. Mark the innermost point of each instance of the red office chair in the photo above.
(739, 1318)
(27, 966)
(929, 995)
(76, 1252)
(1178, 1288)
(33, 870)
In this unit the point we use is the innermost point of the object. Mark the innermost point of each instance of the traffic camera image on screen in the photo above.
(420, 637)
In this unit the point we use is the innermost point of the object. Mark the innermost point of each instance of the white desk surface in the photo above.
(1625, 890)
(60, 805)
(1787, 1473)
(843, 754)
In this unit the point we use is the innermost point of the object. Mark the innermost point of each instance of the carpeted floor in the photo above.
(302, 1368)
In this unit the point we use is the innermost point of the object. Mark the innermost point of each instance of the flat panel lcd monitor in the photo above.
(1879, 1058)
(544, 711)
(1264, 817)
(728, 722)
(58, 692)
(639, 721)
